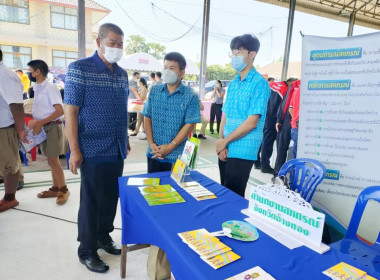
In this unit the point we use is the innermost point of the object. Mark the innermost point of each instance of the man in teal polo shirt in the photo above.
(241, 130)
(170, 114)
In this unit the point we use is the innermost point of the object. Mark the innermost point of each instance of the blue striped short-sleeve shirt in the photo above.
(246, 98)
(169, 113)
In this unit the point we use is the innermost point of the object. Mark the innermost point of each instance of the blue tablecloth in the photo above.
(159, 225)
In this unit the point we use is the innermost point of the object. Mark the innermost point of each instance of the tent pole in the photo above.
(81, 29)
(285, 64)
(202, 76)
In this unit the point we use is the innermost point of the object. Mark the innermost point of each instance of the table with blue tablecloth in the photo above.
(159, 225)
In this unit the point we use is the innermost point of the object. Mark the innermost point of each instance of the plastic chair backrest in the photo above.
(305, 175)
(367, 194)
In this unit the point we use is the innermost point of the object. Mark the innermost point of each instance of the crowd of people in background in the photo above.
(97, 95)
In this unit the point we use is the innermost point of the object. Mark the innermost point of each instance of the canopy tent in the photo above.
(140, 62)
(191, 68)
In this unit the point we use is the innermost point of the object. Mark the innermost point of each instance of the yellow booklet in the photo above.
(344, 271)
(178, 171)
(222, 259)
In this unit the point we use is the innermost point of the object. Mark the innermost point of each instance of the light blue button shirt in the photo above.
(246, 98)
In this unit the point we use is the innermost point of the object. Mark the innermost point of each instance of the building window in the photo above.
(62, 59)
(16, 56)
(63, 17)
(14, 11)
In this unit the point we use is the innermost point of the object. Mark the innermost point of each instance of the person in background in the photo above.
(133, 94)
(152, 79)
(98, 149)
(170, 113)
(48, 113)
(28, 103)
(283, 128)
(158, 78)
(216, 106)
(270, 80)
(142, 94)
(294, 110)
(25, 82)
(278, 91)
(204, 123)
(241, 130)
(11, 129)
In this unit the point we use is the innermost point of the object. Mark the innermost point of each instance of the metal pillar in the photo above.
(202, 75)
(81, 29)
(289, 32)
(351, 24)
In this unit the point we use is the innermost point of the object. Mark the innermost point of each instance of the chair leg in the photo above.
(123, 260)
(33, 153)
(25, 159)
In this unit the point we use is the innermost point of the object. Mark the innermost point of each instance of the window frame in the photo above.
(13, 54)
(64, 57)
(18, 7)
(64, 20)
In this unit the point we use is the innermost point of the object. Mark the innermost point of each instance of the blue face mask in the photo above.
(237, 62)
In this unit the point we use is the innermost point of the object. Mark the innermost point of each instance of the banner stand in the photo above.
(282, 235)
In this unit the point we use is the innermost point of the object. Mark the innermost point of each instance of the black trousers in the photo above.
(234, 174)
(99, 195)
(132, 119)
(216, 111)
(269, 137)
(283, 141)
(157, 166)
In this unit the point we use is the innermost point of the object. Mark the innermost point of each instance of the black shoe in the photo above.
(94, 263)
(200, 136)
(110, 247)
(20, 185)
(257, 165)
(1, 181)
(267, 169)
(195, 135)
(212, 132)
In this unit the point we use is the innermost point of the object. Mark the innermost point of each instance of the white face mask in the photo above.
(112, 55)
(169, 76)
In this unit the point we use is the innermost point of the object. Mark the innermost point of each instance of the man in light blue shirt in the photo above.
(241, 130)
(170, 114)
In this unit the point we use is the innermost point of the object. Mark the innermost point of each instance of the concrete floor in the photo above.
(38, 238)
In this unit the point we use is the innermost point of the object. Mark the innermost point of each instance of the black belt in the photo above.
(54, 122)
(12, 125)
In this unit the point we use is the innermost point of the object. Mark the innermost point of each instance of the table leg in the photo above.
(123, 260)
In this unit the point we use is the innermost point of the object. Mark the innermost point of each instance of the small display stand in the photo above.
(285, 216)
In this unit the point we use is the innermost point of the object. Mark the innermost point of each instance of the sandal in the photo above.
(51, 192)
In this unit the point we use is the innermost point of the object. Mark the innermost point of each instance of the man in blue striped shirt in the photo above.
(241, 130)
(96, 94)
(170, 114)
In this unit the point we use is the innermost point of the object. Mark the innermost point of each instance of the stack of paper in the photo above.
(160, 194)
(210, 249)
(256, 273)
(136, 181)
(197, 191)
(344, 271)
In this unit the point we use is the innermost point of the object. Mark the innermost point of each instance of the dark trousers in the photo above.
(99, 194)
(216, 111)
(234, 174)
(283, 141)
(132, 119)
(269, 137)
(157, 166)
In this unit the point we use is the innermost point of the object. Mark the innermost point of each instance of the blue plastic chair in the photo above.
(367, 254)
(305, 174)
